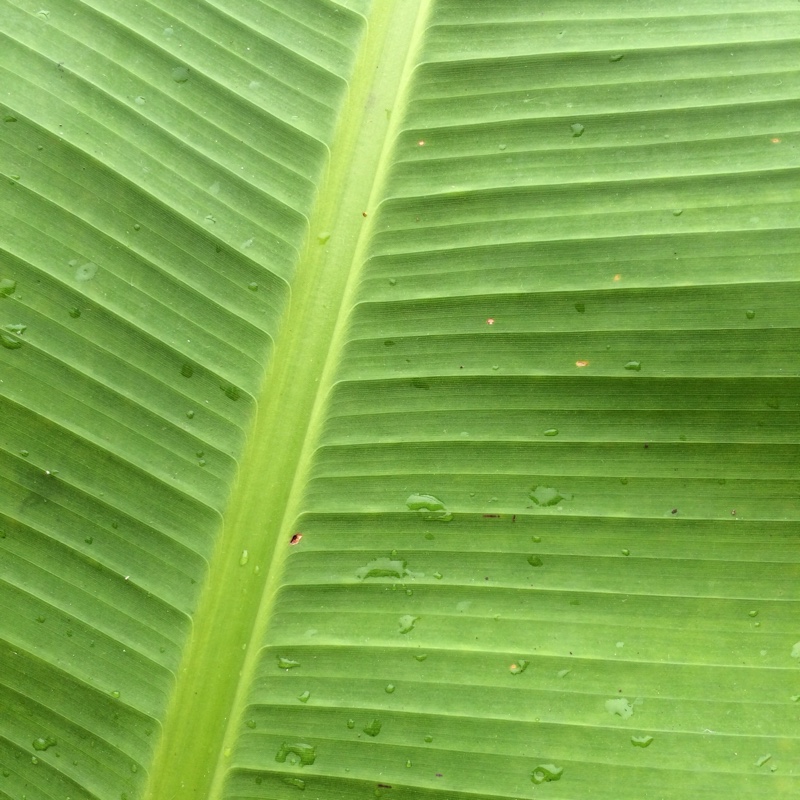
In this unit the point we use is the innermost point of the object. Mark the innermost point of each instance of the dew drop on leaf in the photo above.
(547, 496)
(300, 753)
(86, 271)
(43, 742)
(546, 773)
(619, 707)
(180, 74)
(407, 623)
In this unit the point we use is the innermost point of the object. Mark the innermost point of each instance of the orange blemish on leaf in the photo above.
(617, 277)
(581, 363)
(490, 321)
(775, 141)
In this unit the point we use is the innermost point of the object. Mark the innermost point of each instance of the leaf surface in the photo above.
(399, 399)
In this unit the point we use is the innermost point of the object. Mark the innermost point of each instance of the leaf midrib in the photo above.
(213, 682)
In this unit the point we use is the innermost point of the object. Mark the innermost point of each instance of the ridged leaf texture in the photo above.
(399, 399)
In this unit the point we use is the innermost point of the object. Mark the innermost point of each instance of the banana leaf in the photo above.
(399, 399)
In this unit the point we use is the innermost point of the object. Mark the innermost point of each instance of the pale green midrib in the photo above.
(213, 682)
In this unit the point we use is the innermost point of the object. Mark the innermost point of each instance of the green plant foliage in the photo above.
(399, 399)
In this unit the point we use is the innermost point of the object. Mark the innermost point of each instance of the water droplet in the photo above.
(9, 118)
(374, 728)
(535, 561)
(438, 575)
(75, 312)
(641, 741)
(752, 613)
(545, 773)
(625, 551)
(187, 370)
(139, 100)
(547, 496)
(252, 286)
(616, 57)
(580, 307)
(40, 619)
(304, 697)
(306, 754)
(190, 414)
(86, 271)
(10, 342)
(383, 568)
(43, 742)
(577, 129)
(796, 650)
(620, 707)
(677, 212)
(6, 773)
(134, 767)
(247, 243)
(428, 738)
(34, 760)
(298, 783)
(392, 281)
(519, 666)
(407, 623)
(421, 656)
(324, 238)
(427, 502)
(231, 391)
(351, 723)
(562, 673)
(763, 760)
(536, 539)
(180, 74)
(551, 432)
(408, 763)
(89, 539)
(287, 663)
(634, 365)
(244, 558)
(389, 688)
(501, 146)
(115, 694)
(251, 723)
(750, 314)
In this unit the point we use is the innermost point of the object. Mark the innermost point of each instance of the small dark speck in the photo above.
(674, 510)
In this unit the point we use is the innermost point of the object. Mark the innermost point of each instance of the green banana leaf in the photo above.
(399, 399)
